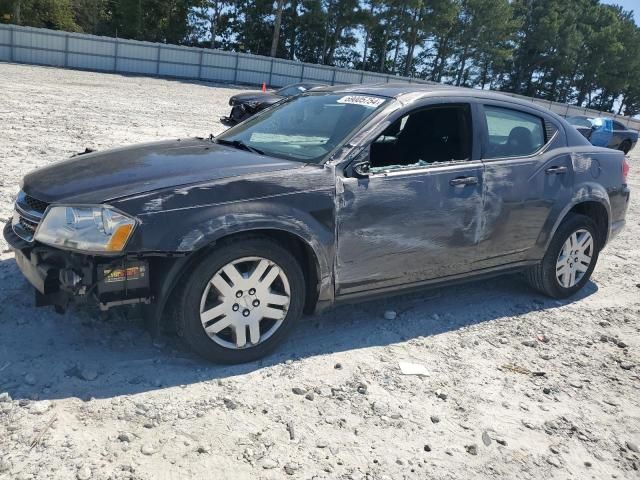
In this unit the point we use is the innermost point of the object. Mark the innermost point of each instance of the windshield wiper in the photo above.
(239, 144)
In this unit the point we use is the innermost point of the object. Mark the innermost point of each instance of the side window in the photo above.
(423, 137)
(618, 126)
(512, 133)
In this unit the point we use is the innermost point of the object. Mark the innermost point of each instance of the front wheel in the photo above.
(569, 260)
(242, 300)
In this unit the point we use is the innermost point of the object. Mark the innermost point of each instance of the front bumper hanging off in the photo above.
(60, 276)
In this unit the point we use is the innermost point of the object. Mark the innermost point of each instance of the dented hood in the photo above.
(104, 176)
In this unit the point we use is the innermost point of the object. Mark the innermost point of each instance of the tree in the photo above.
(53, 14)
(578, 51)
(276, 28)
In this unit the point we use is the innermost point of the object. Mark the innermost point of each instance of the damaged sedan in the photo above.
(331, 196)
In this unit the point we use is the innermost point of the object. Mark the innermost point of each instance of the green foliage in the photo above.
(575, 51)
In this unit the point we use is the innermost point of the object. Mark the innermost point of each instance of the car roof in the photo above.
(410, 92)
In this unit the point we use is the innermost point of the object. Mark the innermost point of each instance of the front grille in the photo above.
(35, 204)
(28, 225)
(28, 214)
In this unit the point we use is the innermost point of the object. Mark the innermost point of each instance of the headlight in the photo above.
(91, 228)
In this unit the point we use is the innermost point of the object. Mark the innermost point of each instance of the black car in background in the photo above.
(605, 132)
(333, 195)
(246, 104)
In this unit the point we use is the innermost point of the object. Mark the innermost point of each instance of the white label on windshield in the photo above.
(363, 100)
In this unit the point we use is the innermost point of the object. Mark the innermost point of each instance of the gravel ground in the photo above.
(518, 386)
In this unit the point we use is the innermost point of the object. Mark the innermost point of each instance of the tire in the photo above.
(544, 278)
(625, 146)
(200, 288)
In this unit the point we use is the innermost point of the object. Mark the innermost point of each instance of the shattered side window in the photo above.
(422, 138)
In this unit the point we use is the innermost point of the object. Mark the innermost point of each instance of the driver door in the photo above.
(416, 215)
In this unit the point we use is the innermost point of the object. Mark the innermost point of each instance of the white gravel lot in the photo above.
(93, 397)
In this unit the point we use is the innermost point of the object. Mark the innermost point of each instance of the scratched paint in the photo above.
(387, 231)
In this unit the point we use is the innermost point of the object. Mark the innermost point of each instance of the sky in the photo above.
(628, 5)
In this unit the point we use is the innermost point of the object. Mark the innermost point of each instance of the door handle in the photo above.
(556, 170)
(463, 181)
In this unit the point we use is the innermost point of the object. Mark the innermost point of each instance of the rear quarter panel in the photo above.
(597, 177)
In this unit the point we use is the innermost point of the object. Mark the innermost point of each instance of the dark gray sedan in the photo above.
(246, 104)
(330, 196)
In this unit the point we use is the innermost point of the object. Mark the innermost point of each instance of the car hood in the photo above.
(118, 173)
(262, 97)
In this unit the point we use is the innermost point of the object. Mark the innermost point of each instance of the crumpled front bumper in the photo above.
(239, 113)
(60, 277)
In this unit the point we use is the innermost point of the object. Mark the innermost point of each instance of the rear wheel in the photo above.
(625, 146)
(570, 258)
(242, 300)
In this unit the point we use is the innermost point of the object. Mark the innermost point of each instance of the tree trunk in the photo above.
(398, 41)
(441, 56)
(276, 29)
(293, 34)
(326, 34)
(622, 102)
(214, 23)
(484, 74)
(139, 23)
(16, 12)
(463, 64)
(412, 43)
(366, 40)
(364, 54)
(383, 54)
(582, 93)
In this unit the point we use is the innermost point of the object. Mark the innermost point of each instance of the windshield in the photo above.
(292, 90)
(304, 128)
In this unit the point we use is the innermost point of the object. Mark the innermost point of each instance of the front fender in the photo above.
(210, 226)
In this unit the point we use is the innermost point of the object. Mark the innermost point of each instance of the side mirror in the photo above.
(360, 166)
(362, 169)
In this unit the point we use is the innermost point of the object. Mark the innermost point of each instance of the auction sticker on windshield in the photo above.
(364, 100)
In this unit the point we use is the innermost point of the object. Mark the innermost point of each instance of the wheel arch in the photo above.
(317, 279)
(594, 207)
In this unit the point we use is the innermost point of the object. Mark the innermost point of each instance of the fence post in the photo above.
(362, 76)
(11, 43)
(302, 73)
(158, 60)
(333, 77)
(200, 65)
(66, 50)
(115, 56)
(270, 71)
(235, 71)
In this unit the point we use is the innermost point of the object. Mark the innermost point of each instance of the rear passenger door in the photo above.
(525, 181)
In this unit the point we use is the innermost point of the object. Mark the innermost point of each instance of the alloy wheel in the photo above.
(245, 302)
(574, 258)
